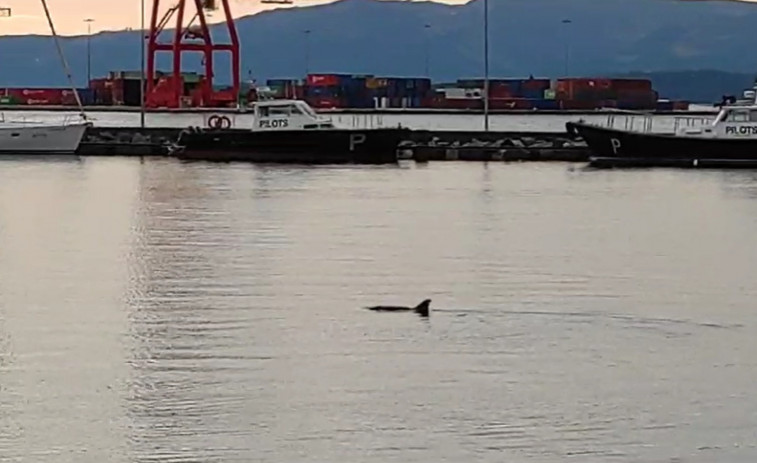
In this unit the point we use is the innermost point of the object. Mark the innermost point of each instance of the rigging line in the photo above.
(63, 59)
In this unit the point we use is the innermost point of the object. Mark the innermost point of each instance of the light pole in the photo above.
(142, 73)
(427, 29)
(567, 23)
(89, 22)
(307, 52)
(486, 65)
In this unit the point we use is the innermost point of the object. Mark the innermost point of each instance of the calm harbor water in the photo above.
(165, 311)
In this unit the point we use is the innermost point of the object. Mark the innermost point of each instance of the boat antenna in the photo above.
(63, 60)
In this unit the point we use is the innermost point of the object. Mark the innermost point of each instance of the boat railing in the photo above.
(646, 123)
(686, 122)
(630, 122)
(362, 121)
(22, 120)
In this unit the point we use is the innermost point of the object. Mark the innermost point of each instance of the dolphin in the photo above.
(421, 309)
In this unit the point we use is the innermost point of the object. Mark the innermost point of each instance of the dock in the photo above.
(422, 145)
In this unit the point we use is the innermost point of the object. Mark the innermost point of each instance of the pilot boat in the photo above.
(288, 131)
(728, 140)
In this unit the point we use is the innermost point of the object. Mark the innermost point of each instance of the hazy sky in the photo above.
(68, 15)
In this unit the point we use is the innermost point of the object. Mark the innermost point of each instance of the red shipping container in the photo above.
(324, 102)
(117, 92)
(632, 84)
(103, 97)
(68, 98)
(36, 93)
(460, 103)
(500, 90)
(37, 96)
(98, 83)
(680, 105)
(510, 103)
(320, 80)
(536, 84)
(574, 104)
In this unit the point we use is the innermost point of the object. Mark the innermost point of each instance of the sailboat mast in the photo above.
(63, 59)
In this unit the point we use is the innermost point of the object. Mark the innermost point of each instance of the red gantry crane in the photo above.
(168, 91)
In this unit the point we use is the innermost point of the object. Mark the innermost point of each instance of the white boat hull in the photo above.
(41, 139)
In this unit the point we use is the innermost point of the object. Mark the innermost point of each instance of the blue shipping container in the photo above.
(87, 96)
(545, 104)
(318, 91)
(530, 94)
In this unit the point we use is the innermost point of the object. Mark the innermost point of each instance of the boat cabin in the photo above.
(736, 121)
(287, 115)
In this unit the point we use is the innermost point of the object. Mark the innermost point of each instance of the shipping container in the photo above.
(531, 94)
(500, 91)
(459, 103)
(323, 80)
(681, 105)
(576, 104)
(117, 91)
(323, 91)
(583, 89)
(37, 96)
(281, 82)
(545, 104)
(510, 103)
(461, 93)
(664, 105)
(324, 102)
(86, 96)
(631, 84)
(538, 85)
(132, 95)
(103, 96)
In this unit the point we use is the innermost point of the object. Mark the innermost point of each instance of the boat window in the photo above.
(753, 116)
(281, 110)
(738, 116)
(307, 111)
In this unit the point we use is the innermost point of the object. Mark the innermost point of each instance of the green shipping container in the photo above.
(549, 94)
(8, 100)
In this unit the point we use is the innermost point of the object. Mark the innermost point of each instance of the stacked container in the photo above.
(634, 94)
(323, 90)
(285, 88)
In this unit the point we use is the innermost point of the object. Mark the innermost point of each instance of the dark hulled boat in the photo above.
(289, 131)
(730, 140)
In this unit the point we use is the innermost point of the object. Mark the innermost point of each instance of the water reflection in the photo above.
(182, 356)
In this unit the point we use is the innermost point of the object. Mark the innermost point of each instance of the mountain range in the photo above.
(691, 49)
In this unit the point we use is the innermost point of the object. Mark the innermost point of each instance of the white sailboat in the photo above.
(44, 137)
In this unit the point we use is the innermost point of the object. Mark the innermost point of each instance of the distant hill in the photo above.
(697, 86)
(667, 39)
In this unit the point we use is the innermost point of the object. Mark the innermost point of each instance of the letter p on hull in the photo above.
(615, 143)
(356, 139)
